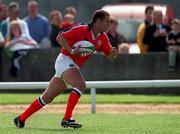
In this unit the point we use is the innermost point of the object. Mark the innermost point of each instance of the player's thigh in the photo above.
(55, 87)
(74, 77)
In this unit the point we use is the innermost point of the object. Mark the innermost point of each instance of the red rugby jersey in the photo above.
(83, 32)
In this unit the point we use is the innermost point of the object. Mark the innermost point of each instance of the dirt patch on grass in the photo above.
(100, 108)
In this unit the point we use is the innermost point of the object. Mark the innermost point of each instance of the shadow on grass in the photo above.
(61, 129)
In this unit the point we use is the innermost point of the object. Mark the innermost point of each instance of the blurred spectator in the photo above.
(68, 21)
(123, 48)
(18, 43)
(155, 35)
(3, 12)
(115, 38)
(1, 47)
(55, 19)
(141, 29)
(38, 24)
(173, 40)
(13, 9)
(70, 10)
(1, 41)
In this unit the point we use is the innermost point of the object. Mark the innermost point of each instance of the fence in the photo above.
(92, 85)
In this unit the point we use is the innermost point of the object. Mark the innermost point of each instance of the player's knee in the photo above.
(81, 86)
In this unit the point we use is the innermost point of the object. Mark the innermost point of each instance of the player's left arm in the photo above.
(108, 50)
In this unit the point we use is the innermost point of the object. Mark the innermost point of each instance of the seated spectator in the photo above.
(155, 35)
(38, 24)
(141, 29)
(18, 44)
(68, 21)
(1, 40)
(13, 10)
(1, 47)
(173, 40)
(115, 38)
(55, 19)
(123, 48)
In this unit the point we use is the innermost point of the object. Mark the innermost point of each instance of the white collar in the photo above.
(93, 36)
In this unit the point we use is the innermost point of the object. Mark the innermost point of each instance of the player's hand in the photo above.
(113, 54)
(76, 51)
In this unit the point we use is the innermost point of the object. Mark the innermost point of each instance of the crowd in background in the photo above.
(154, 35)
(18, 35)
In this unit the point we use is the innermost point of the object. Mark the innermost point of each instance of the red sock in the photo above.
(72, 101)
(34, 107)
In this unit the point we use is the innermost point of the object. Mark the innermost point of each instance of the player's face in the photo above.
(104, 25)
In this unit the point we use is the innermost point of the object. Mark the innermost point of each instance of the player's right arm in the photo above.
(64, 43)
(64, 38)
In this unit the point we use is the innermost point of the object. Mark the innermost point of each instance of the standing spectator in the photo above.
(13, 9)
(114, 36)
(155, 35)
(70, 10)
(39, 27)
(3, 12)
(18, 43)
(68, 21)
(55, 19)
(141, 29)
(173, 40)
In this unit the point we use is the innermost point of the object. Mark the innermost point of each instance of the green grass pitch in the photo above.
(101, 99)
(96, 124)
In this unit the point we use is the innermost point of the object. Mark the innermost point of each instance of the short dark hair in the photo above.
(99, 14)
(148, 8)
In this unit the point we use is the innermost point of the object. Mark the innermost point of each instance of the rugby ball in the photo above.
(86, 47)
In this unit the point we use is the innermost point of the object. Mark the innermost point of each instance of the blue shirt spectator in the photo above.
(38, 27)
(38, 24)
